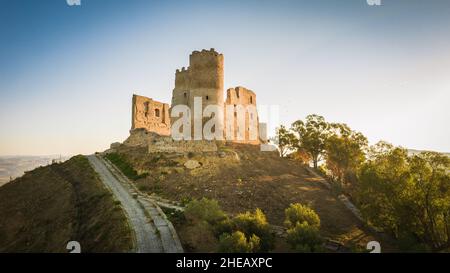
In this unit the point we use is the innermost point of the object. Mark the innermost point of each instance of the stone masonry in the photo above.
(203, 78)
(150, 115)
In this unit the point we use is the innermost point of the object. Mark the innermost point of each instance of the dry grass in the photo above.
(49, 206)
(254, 180)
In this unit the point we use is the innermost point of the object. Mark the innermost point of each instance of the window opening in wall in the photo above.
(146, 108)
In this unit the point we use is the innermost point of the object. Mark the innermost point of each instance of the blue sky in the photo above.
(67, 73)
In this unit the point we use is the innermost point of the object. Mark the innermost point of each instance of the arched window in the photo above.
(251, 100)
(207, 97)
(157, 113)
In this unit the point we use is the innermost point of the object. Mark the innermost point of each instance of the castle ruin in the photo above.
(204, 78)
(150, 115)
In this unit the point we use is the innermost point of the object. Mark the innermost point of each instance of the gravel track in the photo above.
(153, 232)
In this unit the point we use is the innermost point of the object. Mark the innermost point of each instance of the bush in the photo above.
(247, 232)
(223, 226)
(255, 224)
(204, 210)
(174, 216)
(298, 213)
(238, 243)
(199, 237)
(304, 238)
(204, 218)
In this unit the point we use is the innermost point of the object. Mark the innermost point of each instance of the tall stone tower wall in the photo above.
(203, 78)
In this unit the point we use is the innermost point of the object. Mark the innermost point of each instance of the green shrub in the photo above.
(185, 200)
(223, 226)
(255, 224)
(204, 220)
(247, 232)
(298, 213)
(238, 243)
(304, 238)
(174, 216)
(204, 210)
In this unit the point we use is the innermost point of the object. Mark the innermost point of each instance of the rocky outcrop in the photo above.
(192, 164)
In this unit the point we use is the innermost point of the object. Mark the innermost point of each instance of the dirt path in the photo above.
(153, 232)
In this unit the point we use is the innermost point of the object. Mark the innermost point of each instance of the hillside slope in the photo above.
(49, 206)
(242, 179)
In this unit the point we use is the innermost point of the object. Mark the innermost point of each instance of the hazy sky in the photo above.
(67, 73)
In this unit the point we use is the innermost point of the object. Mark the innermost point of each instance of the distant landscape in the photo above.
(12, 167)
(414, 152)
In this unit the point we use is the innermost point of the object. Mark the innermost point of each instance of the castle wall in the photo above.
(203, 78)
(150, 115)
(156, 143)
(244, 97)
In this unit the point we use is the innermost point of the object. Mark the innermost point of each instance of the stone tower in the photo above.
(203, 78)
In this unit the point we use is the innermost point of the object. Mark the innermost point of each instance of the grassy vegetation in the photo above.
(205, 227)
(174, 216)
(49, 206)
(246, 179)
(303, 225)
(124, 166)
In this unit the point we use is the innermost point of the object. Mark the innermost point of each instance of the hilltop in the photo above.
(15, 166)
(52, 205)
(242, 178)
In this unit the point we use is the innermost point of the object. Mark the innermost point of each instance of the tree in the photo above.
(312, 135)
(381, 183)
(430, 198)
(407, 195)
(301, 156)
(345, 151)
(285, 139)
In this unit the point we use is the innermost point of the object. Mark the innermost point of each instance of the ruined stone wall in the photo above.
(244, 97)
(203, 78)
(168, 145)
(156, 143)
(150, 115)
